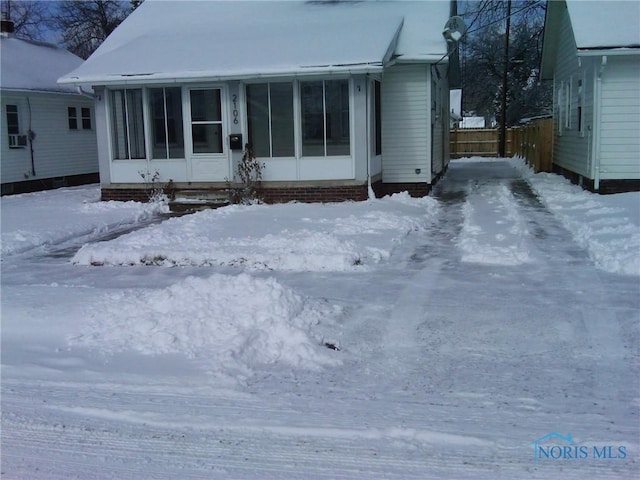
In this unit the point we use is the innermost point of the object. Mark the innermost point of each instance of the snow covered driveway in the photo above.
(471, 326)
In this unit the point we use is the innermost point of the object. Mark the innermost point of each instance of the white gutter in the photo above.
(596, 52)
(168, 78)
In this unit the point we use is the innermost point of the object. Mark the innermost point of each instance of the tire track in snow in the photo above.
(222, 453)
(206, 439)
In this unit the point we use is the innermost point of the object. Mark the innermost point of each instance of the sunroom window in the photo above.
(325, 118)
(270, 119)
(166, 114)
(127, 124)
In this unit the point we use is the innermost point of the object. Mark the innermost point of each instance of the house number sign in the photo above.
(235, 109)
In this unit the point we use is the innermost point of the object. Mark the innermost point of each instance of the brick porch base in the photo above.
(308, 194)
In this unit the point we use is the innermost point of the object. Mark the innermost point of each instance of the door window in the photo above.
(206, 121)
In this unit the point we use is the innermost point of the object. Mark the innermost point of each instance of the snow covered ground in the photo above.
(395, 338)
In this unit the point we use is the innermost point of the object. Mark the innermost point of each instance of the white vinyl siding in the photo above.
(406, 127)
(620, 119)
(57, 151)
(572, 147)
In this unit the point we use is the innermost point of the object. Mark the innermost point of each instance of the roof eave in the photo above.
(164, 78)
(550, 39)
(422, 58)
(38, 90)
(614, 51)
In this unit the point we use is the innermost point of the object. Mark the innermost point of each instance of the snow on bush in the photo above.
(291, 237)
(229, 323)
(607, 226)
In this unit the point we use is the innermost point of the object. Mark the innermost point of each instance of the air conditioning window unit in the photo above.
(17, 141)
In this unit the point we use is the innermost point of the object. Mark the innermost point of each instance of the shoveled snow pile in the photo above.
(228, 323)
(29, 222)
(608, 226)
(291, 237)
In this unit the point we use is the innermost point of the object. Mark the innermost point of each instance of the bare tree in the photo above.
(84, 25)
(483, 61)
(29, 18)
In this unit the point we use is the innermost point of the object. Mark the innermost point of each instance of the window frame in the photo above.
(377, 117)
(129, 115)
(270, 123)
(567, 103)
(173, 137)
(79, 118)
(16, 139)
(559, 103)
(220, 122)
(85, 118)
(72, 118)
(325, 111)
(15, 126)
(580, 105)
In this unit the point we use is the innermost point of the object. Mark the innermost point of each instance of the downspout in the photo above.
(597, 130)
(370, 193)
(31, 135)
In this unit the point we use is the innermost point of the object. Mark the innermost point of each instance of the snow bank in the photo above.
(45, 218)
(230, 323)
(608, 226)
(291, 237)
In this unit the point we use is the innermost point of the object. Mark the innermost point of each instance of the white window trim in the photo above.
(324, 108)
(567, 103)
(109, 110)
(580, 104)
(560, 102)
(187, 121)
(297, 114)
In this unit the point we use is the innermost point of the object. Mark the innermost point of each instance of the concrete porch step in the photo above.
(195, 200)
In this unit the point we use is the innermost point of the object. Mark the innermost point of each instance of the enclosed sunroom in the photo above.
(180, 92)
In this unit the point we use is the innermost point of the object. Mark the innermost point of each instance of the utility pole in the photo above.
(502, 148)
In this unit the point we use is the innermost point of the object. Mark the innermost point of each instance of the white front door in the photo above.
(209, 153)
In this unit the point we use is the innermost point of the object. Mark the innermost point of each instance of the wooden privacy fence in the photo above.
(532, 141)
(476, 142)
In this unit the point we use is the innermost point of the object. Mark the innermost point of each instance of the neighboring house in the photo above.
(455, 108)
(48, 136)
(591, 51)
(473, 122)
(333, 97)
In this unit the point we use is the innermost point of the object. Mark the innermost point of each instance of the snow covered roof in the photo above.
(598, 26)
(473, 122)
(28, 65)
(609, 24)
(164, 40)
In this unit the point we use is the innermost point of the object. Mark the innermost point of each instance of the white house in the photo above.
(591, 51)
(334, 97)
(48, 135)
